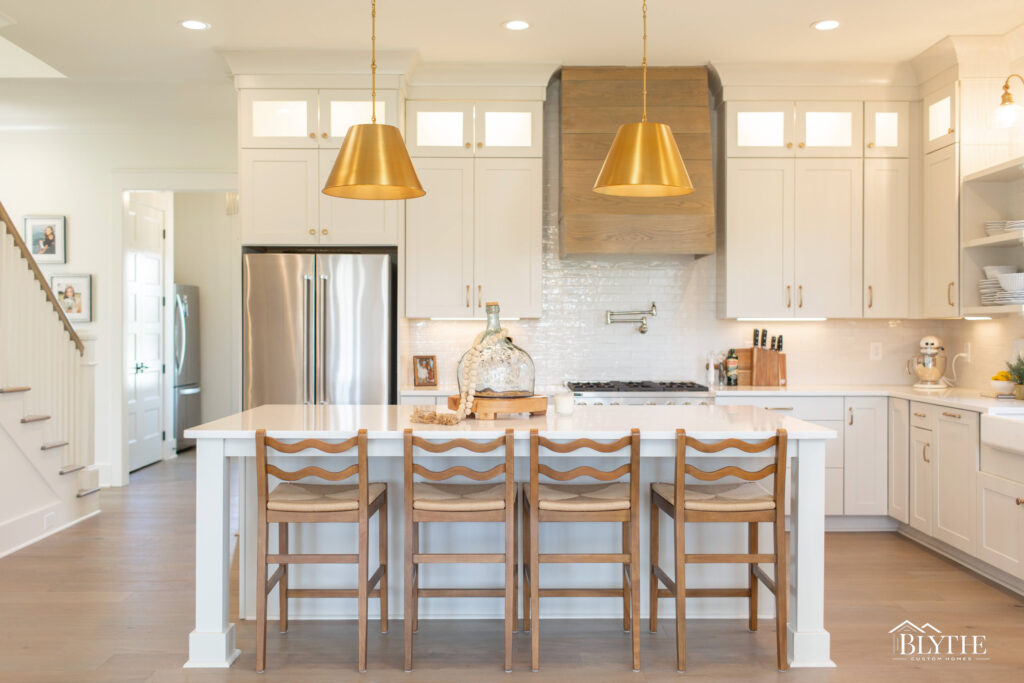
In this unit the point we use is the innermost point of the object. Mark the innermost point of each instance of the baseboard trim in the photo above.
(841, 523)
(50, 532)
(973, 564)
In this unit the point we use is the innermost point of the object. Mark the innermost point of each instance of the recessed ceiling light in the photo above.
(195, 25)
(825, 24)
(516, 25)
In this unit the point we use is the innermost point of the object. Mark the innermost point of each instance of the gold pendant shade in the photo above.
(643, 161)
(373, 164)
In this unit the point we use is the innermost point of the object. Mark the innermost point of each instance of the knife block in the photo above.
(761, 367)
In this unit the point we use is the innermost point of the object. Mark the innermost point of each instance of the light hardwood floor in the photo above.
(111, 599)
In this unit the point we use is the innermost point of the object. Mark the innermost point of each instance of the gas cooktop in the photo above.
(645, 386)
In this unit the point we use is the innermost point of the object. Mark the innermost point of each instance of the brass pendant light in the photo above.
(644, 160)
(373, 162)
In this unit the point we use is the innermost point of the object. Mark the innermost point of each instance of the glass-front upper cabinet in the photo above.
(278, 118)
(465, 129)
(940, 118)
(341, 109)
(829, 129)
(760, 129)
(887, 129)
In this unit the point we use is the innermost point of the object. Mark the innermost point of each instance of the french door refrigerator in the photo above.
(187, 396)
(318, 327)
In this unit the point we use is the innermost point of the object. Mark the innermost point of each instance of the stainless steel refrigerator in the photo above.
(318, 327)
(187, 396)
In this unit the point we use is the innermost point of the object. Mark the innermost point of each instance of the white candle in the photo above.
(564, 402)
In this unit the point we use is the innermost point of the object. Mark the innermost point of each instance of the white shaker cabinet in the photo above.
(941, 116)
(955, 472)
(759, 129)
(828, 237)
(829, 129)
(940, 244)
(278, 190)
(354, 221)
(481, 129)
(886, 129)
(899, 459)
(1001, 523)
(886, 238)
(921, 479)
(865, 471)
(278, 118)
(341, 109)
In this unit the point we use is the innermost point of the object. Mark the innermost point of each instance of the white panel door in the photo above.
(759, 129)
(956, 469)
(144, 350)
(921, 479)
(941, 116)
(759, 236)
(509, 129)
(828, 237)
(439, 129)
(899, 459)
(277, 118)
(886, 238)
(1001, 523)
(341, 109)
(829, 129)
(507, 236)
(887, 129)
(439, 241)
(355, 221)
(865, 480)
(279, 192)
(940, 296)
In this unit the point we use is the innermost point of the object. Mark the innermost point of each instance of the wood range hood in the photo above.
(595, 102)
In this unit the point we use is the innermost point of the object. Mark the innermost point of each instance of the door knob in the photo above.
(140, 368)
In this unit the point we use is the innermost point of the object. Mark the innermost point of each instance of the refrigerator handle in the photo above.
(321, 339)
(307, 281)
(184, 332)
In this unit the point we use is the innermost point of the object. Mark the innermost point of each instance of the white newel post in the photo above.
(809, 643)
(212, 643)
(85, 404)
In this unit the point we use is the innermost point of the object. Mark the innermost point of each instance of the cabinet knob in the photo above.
(789, 145)
(324, 231)
(323, 135)
(871, 145)
(312, 135)
(480, 144)
(802, 145)
(312, 231)
(950, 131)
(1020, 501)
(468, 145)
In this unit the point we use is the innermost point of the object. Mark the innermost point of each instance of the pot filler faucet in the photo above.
(631, 317)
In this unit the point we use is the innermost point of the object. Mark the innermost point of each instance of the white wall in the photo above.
(64, 144)
(206, 246)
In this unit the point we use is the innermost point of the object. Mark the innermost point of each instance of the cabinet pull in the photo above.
(480, 144)
(871, 145)
(802, 145)
(949, 293)
(323, 135)
(871, 296)
(851, 416)
(479, 296)
(800, 296)
(953, 415)
(312, 135)
(1020, 501)
(920, 415)
(324, 231)
(924, 452)
(789, 145)
(468, 145)
(778, 407)
(312, 231)
(789, 296)
(467, 296)
(951, 131)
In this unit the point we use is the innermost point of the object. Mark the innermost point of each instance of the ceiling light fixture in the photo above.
(373, 162)
(516, 25)
(1008, 113)
(644, 160)
(195, 25)
(825, 25)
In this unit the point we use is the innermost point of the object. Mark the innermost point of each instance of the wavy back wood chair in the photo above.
(608, 501)
(301, 502)
(745, 501)
(427, 501)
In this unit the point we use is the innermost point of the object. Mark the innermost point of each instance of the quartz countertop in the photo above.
(599, 422)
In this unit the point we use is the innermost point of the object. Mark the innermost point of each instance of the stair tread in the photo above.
(14, 390)
(53, 444)
(71, 468)
(34, 418)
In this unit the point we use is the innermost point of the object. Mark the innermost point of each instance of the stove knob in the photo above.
(670, 403)
(687, 403)
(651, 403)
(598, 403)
(614, 403)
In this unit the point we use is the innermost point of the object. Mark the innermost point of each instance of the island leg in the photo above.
(212, 643)
(808, 641)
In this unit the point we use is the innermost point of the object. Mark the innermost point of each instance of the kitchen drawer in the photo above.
(801, 407)
(923, 415)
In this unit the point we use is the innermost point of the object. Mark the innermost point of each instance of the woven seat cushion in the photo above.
(731, 497)
(290, 497)
(458, 497)
(583, 497)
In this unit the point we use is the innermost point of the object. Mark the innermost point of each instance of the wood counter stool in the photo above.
(609, 501)
(426, 501)
(309, 502)
(744, 502)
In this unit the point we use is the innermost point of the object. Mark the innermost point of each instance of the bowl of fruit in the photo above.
(1002, 383)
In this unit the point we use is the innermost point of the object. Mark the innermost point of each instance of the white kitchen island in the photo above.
(212, 642)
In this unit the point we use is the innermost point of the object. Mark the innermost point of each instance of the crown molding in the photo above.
(317, 62)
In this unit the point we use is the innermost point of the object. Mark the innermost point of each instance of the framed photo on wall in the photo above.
(74, 294)
(46, 238)
(424, 371)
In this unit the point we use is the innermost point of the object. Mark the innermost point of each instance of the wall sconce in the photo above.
(1008, 114)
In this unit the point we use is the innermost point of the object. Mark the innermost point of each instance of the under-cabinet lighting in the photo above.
(516, 25)
(195, 25)
(503, 318)
(977, 317)
(825, 25)
(781, 320)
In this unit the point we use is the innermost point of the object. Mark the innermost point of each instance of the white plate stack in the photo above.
(990, 290)
(1002, 285)
(1013, 225)
(994, 227)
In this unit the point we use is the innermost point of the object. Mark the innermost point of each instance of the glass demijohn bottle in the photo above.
(504, 370)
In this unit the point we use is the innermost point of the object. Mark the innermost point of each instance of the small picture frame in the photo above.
(424, 371)
(74, 295)
(45, 237)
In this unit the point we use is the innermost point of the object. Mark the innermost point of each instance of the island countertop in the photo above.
(389, 422)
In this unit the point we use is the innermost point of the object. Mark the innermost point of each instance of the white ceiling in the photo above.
(141, 39)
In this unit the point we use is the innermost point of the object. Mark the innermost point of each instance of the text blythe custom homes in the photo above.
(927, 643)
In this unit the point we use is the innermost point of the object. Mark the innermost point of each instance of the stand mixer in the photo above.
(930, 365)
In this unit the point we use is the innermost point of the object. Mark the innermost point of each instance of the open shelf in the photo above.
(1011, 309)
(1014, 238)
(1006, 172)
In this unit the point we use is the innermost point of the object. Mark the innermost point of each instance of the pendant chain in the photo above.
(373, 60)
(643, 67)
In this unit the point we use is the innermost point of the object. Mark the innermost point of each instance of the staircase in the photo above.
(47, 476)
